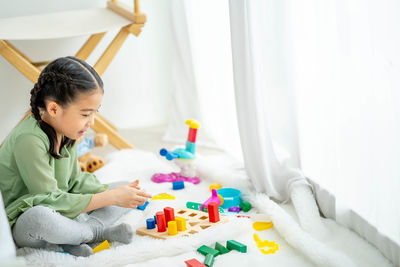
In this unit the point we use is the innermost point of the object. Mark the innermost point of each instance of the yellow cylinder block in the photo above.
(181, 223)
(172, 228)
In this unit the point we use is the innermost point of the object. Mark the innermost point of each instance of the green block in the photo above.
(232, 244)
(209, 261)
(245, 206)
(207, 250)
(221, 248)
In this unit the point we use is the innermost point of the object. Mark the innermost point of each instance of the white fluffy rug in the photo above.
(327, 244)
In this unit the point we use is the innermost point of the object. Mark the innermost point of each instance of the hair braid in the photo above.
(34, 105)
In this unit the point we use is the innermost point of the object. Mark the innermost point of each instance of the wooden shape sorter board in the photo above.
(196, 221)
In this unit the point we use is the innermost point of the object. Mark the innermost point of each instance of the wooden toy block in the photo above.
(207, 250)
(161, 224)
(172, 228)
(221, 248)
(245, 206)
(169, 214)
(209, 260)
(196, 221)
(142, 207)
(163, 196)
(181, 223)
(232, 244)
(213, 212)
(102, 246)
(150, 223)
(178, 185)
(194, 263)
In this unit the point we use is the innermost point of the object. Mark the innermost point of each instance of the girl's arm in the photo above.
(127, 196)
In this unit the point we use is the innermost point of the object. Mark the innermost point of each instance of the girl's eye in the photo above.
(85, 115)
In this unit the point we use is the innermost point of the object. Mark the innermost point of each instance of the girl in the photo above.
(43, 188)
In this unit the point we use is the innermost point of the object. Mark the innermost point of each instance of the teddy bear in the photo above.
(87, 161)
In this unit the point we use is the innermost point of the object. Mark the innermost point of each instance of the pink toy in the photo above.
(214, 198)
(173, 177)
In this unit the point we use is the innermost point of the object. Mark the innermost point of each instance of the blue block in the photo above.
(151, 224)
(178, 185)
(142, 207)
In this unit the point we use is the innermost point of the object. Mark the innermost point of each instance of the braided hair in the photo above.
(61, 81)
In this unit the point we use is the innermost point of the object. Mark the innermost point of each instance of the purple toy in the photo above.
(234, 209)
(173, 177)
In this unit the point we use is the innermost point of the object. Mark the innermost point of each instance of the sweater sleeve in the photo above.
(83, 182)
(33, 162)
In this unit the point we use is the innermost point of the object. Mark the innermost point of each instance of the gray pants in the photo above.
(41, 225)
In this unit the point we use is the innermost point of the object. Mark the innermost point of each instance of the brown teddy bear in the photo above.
(88, 161)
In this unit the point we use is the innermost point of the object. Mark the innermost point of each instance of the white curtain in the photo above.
(335, 64)
(202, 75)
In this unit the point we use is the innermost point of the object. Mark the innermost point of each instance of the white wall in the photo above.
(137, 83)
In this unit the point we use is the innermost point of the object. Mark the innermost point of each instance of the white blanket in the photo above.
(337, 246)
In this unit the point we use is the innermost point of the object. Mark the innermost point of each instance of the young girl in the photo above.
(43, 188)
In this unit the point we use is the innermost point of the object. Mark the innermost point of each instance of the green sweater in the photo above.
(30, 176)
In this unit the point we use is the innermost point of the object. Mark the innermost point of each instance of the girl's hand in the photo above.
(129, 195)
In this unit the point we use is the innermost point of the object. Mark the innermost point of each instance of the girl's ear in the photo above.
(53, 108)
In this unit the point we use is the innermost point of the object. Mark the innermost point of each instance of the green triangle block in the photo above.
(221, 248)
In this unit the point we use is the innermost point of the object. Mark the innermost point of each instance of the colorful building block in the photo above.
(163, 196)
(221, 248)
(232, 244)
(209, 260)
(207, 250)
(142, 207)
(102, 246)
(161, 224)
(150, 223)
(245, 206)
(181, 223)
(196, 222)
(172, 228)
(194, 263)
(213, 213)
(234, 209)
(215, 186)
(178, 185)
(169, 214)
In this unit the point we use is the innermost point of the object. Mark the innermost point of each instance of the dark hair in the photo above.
(61, 81)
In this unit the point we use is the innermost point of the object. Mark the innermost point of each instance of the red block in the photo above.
(169, 214)
(213, 214)
(161, 224)
(194, 263)
(192, 135)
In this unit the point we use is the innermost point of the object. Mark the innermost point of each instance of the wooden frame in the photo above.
(31, 70)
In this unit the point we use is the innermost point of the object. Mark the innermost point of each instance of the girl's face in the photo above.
(75, 119)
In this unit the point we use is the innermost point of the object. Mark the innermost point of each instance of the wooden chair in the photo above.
(94, 22)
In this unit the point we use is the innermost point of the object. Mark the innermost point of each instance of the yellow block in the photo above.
(163, 196)
(259, 226)
(181, 223)
(102, 246)
(193, 123)
(172, 228)
(215, 186)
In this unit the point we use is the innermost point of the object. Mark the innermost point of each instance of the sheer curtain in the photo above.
(319, 81)
(202, 75)
(345, 66)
